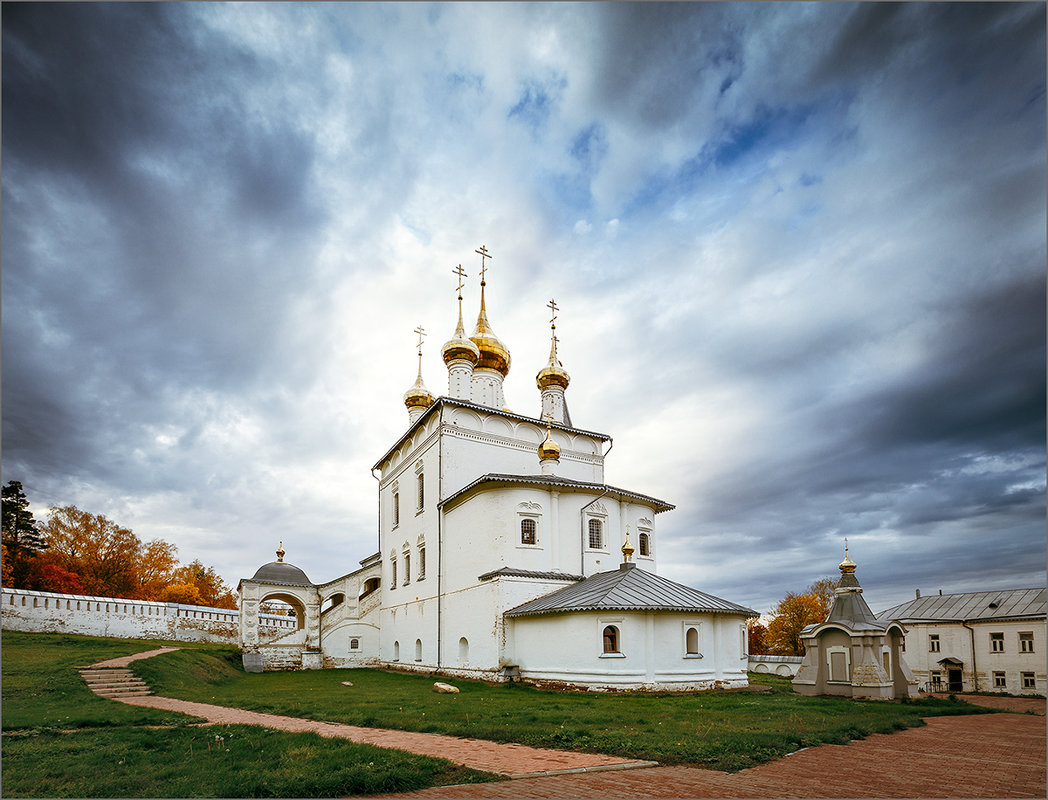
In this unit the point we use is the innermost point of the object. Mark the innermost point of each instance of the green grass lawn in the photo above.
(62, 740)
(722, 730)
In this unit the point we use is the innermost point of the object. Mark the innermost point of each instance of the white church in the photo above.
(503, 554)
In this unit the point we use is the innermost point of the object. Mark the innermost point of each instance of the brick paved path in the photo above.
(505, 759)
(992, 755)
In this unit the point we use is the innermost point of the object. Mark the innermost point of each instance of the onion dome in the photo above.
(418, 396)
(493, 353)
(848, 582)
(627, 549)
(458, 347)
(847, 566)
(281, 572)
(549, 450)
(553, 374)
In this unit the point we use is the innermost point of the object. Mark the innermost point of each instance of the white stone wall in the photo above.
(46, 612)
(956, 641)
(786, 666)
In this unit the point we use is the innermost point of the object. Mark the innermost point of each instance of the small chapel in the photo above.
(503, 553)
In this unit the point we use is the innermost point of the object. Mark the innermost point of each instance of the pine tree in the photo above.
(21, 540)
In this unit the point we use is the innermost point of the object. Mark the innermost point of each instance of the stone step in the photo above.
(117, 685)
(114, 682)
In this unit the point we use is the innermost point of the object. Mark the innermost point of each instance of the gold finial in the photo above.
(484, 255)
(627, 549)
(418, 395)
(459, 347)
(549, 449)
(553, 373)
(847, 566)
(493, 353)
(280, 552)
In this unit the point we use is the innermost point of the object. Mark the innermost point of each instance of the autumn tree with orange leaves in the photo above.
(84, 553)
(795, 612)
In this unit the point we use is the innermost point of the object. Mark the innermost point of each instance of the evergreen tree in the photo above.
(21, 540)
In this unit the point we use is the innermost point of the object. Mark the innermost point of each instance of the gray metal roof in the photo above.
(552, 480)
(628, 589)
(282, 573)
(512, 572)
(969, 606)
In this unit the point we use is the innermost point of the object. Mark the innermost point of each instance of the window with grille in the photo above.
(354, 644)
(1025, 642)
(527, 531)
(644, 545)
(421, 563)
(407, 569)
(611, 639)
(393, 574)
(933, 643)
(1029, 680)
(996, 642)
(421, 491)
(999, 681)
(396, 509)
(595, 534)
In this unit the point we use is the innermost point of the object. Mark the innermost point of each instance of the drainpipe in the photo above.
(582, 514)
(975, 673)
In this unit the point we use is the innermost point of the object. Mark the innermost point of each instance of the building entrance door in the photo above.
(953, 679)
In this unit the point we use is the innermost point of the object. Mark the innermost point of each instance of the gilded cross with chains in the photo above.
(484, 255)
(462, 274)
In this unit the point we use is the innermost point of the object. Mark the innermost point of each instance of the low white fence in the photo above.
(48, 612)
(786, 666)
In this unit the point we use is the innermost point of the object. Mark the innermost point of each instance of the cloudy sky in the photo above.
(799, 251)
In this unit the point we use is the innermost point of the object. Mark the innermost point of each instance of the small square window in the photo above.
(999, 681)
(996, 642)
(1029, 680)
(1025, 642)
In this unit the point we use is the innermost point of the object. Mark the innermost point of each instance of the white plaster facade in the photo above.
(472, 526)
(972, 646)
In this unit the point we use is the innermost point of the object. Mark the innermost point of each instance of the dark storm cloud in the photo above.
(153, 230)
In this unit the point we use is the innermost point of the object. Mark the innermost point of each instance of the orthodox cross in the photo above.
(462, 274)
(421, 333)
(552, 306)
(484, 255)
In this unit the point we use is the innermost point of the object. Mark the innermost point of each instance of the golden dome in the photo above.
(627, 549)
(493, 353)
(459, 347)
(418, 395)
(549, 449)
(553, 374)
(847, 566)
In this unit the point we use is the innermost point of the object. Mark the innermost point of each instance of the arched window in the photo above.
(644, 545)
(418, 649)
(407, 568)
(421, 563)
(370, 585)
(463, 650)
(691, 642)
(396, 509)
(596, 537)
(527, 531)
(421, 491)
(396, 651)
(393, 574)
(611, 639)
(354, 644)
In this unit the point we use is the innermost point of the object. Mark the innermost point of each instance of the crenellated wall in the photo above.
(47, 612)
